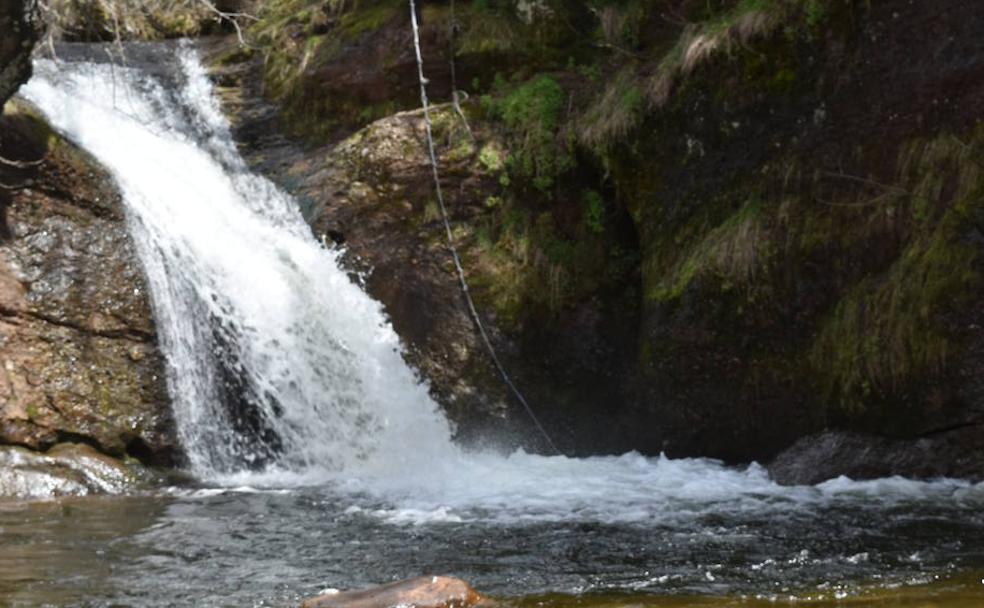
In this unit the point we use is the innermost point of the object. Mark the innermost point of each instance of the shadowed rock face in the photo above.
(768, 308)
(17, 38)
(78, 351)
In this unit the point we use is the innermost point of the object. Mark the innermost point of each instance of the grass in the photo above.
(733, 253)
(533, 115)
(888, 331)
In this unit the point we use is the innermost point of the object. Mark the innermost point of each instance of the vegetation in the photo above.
(89, 20)
(652, 148)
(890, 328)
(532, 115)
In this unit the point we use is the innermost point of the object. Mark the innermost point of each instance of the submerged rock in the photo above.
(423, 592)
(68, 469)
(78, 348)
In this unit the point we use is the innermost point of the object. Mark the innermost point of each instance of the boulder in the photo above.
(957, 453)
(423, 592)
(78, 350)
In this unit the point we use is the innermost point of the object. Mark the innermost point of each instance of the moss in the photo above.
(594, 211)
(532, 115)
(888, 332)
(369, 18)
(733, 253)
(491, 158)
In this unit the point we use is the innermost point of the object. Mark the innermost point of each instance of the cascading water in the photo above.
(276, 358)
(283, 371)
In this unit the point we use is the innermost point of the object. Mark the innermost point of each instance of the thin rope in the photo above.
(451, 246)
(455, 97)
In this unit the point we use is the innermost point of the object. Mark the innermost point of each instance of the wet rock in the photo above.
(16, 44)
(423, 592)
(957, 453)
(78, 350)
(67, 469)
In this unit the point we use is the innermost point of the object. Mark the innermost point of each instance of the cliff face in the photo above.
(16, 44)
(712, 234)
(78, 354)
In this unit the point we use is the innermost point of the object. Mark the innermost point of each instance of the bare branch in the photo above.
(232, 18)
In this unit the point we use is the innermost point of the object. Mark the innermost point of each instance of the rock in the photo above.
(16, 44)
(78, 349)
(67, 469)
(771, 292)
(957, 453)
(423, 592)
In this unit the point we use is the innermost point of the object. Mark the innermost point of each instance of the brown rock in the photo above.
(423, 592)
(78, 349)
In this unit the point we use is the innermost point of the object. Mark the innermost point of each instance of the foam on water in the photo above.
(254, 315)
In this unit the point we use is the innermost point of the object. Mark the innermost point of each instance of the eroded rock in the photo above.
(423, 592)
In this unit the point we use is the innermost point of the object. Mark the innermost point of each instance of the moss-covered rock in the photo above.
(712, 234)
(102, 20)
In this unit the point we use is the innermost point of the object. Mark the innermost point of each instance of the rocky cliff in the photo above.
(78, 354)
(706, 228)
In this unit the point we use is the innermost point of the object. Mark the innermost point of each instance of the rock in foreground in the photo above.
(423, 592)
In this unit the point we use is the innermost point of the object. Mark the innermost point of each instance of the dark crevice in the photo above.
(957, 426)
(62, 436)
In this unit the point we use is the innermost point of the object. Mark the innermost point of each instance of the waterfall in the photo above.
(283, 372)
(277, 360)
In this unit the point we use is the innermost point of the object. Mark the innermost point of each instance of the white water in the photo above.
(248, 303)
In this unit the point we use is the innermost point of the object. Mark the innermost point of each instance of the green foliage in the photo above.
(532, 115)
(594, 211)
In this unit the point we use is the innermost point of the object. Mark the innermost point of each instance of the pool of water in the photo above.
(252, 547)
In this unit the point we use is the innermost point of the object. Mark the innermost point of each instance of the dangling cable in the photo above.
(451, 246)
(455, 97)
